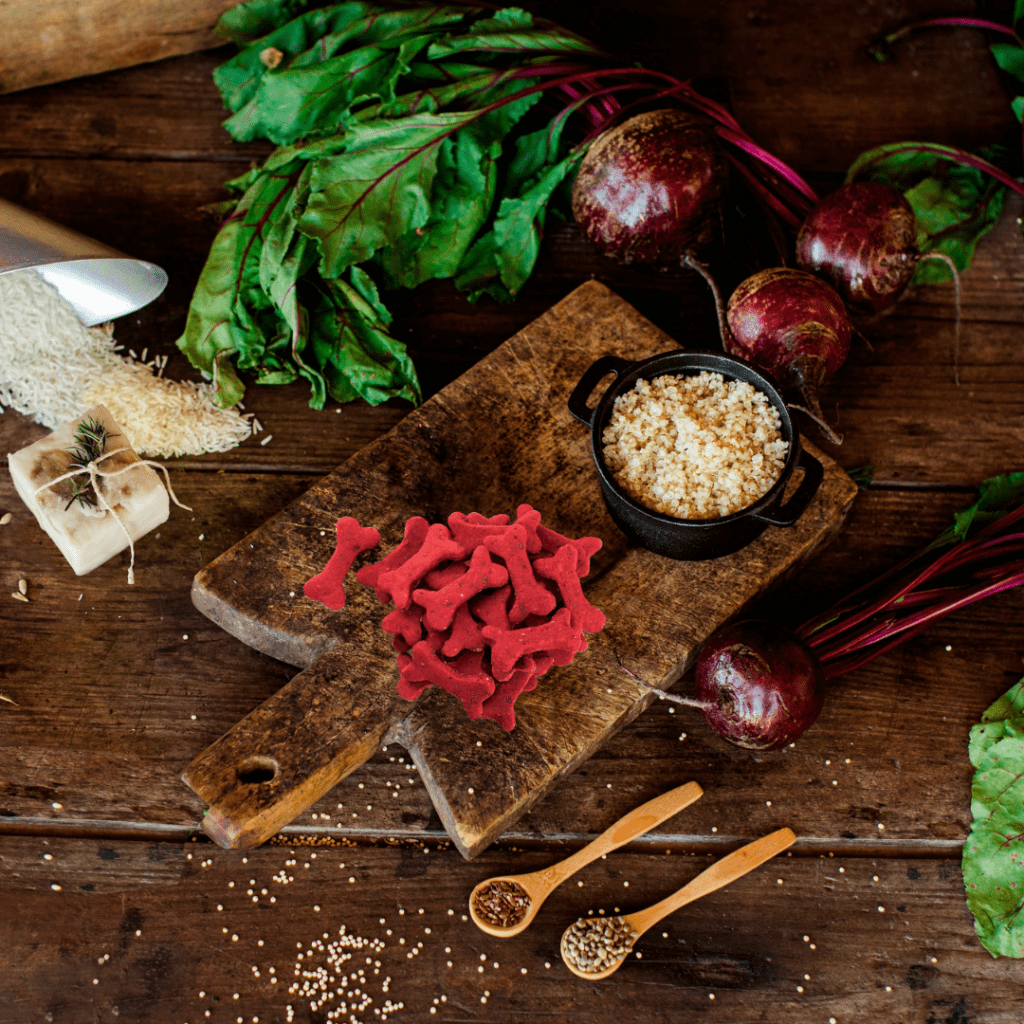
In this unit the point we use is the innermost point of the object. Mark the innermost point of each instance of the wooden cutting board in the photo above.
(498, 436)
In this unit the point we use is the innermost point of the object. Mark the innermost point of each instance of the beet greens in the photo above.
(416, 141)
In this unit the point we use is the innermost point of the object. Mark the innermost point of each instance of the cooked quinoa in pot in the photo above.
(695, 447)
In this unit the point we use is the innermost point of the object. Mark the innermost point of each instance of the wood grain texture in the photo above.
(498, 436)
(886, 940)
(112, 700)
(51, 41)
(104, 726)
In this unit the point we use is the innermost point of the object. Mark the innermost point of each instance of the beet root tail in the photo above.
(806, 373)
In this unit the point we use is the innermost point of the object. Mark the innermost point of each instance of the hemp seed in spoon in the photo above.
(593, 944)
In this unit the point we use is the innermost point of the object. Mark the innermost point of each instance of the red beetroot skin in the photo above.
(766, 686)
(862, 239)
(650, 189)
(779, 315)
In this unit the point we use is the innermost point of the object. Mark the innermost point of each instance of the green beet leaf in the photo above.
(1010, 58)
(463, 193)
(479, 274)
(993, 856)
(508, 18)
(996, 496)
(225, 318)
(954, 205)
(498, 40)
(378, 189)
(520, 224)
(239, 78)
(313, 92)
(361, 356)
(249, 21)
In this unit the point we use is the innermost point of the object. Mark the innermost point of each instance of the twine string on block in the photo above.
(94, 472)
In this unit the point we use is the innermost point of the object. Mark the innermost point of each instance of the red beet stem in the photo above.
(924, 617)
(901, 33)
(844, 642)
(822, 627)
(768, 197)
(841, 667)
(787, 173)
(959, 156)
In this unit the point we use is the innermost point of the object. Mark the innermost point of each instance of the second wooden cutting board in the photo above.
(498, 436)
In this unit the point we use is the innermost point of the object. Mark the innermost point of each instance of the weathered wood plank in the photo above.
(801, 937)
(816, 105)
(52, 41)
(104, 722)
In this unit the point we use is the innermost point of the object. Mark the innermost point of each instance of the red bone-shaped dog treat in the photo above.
(406, 623)
(561, 569)
(444, 574)
(501, 704)
(556, 638)
(530, 595)
(462, 677)
(415, 533)
(329, 586)
(491, 608)
(471, 530)
(583, 546)
(440, 605)
(465, 633)
(438, 546)
(534, 665)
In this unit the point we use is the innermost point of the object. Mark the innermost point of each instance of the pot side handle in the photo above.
(580, 393)
(788, 514)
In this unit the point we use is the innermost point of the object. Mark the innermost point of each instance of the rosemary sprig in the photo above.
(90, 443)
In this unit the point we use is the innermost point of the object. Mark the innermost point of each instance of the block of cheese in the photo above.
(89, 536)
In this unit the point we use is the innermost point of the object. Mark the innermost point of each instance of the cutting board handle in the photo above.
(297, 745)
(589, 380)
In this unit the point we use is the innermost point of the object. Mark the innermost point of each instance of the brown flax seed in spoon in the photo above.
(505, 905)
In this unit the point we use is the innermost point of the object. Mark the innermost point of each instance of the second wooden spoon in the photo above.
(595, 947)
(527, 892)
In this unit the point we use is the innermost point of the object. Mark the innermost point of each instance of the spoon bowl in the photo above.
(594, 941)
(536, 886)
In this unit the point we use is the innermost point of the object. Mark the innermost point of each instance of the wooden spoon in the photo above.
(538, 885)
(632, 926)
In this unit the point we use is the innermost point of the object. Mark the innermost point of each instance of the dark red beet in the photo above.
(862, 239)
(793, 325)
(650, 190)
(766, 688)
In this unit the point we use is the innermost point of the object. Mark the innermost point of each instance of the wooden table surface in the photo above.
(115, 907)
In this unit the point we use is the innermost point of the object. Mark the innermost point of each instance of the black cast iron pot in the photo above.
(692, 539)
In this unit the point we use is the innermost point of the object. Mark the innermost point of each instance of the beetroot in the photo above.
(763, 687)
(793, 325)
(650, 190)
(862, 239)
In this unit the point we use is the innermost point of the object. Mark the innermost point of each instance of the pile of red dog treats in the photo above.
(483, 606)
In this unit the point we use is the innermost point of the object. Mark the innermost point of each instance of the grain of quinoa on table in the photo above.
(695, 447)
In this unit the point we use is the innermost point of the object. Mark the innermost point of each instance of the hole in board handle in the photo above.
(255, 770)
